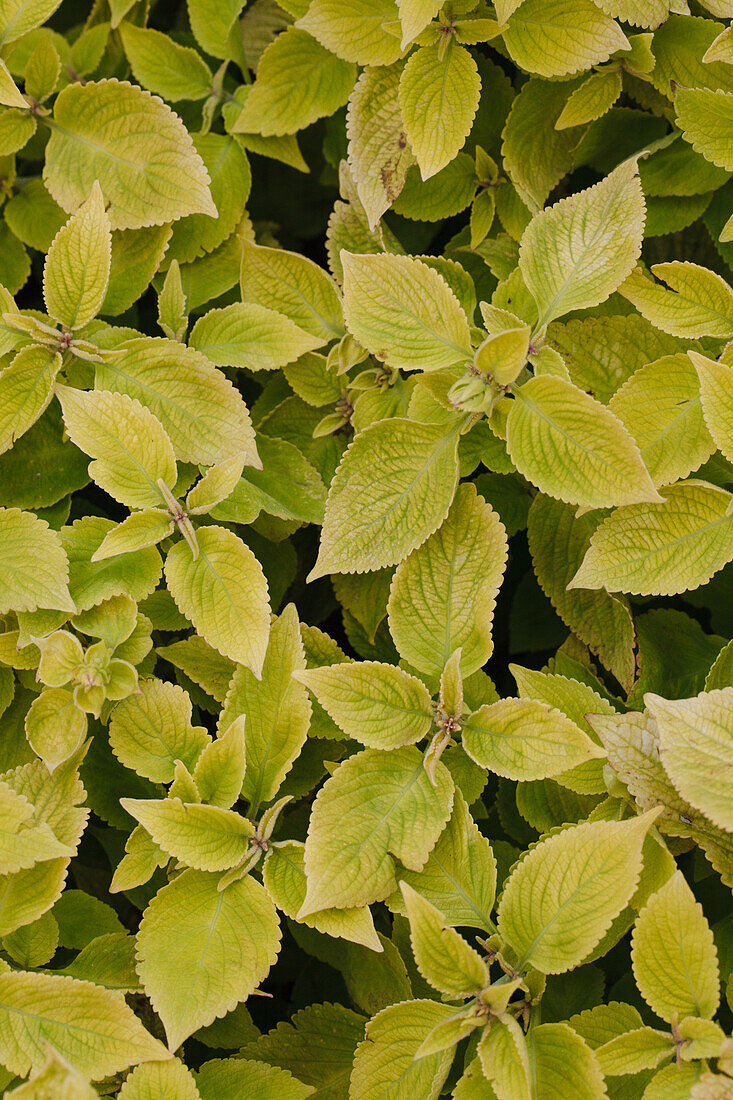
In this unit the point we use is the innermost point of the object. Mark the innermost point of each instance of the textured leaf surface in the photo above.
(673, 954)
(283, 874)
(573, 448)
(442, 596)
(205, 417)
(404, 312)
(695, 302)
(224, 594)
(298, 81)
(562, 897)
(276, 708)
(442, 955)
(373, 521)
(26, 387)
(716, 394)
(155, 1079)
(77, 267)
(130, 447)
(696, 747)
(88, 1026)
(385, 1067)
(34, 570)
(379, 154)
(554, 38)
(163, 66)
(459, 877)
(226, 941)
(207, 838)
(706, 120)
(245, 334)
(563, 1064)
(379, 705)
(349, 856)
(660, 549)
(293, 285)
(577, 252)
(142, 180)
(525, 739)
(439, 97)
(353, 29)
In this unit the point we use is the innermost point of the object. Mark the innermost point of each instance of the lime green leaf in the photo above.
(502, 1052)
(525, 739)
(136, 256)
(415, 16)
(216, 485)
(379, 155)
(130, 447)
(442, 596)
(643, 1048)
(89, 1026)
(141, 859)
(439, 97)
(20, 16)
(536, 155)
(385, 1067)
(716, 394)
(235, 1078)
(561, 898)
(705, 118)
(563, 1064)
(558, 541)
(640, 13)
(152, 729)
(596, 95)
(225, 943)
(54, 726)
(138, 531)
(55, 1078)
(555, 38)
(699, 303)
(162, 66)
(379, 705)
(350, 855)
(277, 710)
(34, 570)
(248, 335)
(353, 29)
(206, 838)
(459, 877)
(146, 182)
(212, 22)
(284, 877)
(26, 387)
(287, 487)
(577, 252)
(443, 957)
(372, 521)
(293, 285)
(77, 267)
(661, 408)
(574, 448)
(673, 955)
(696, 747)
(224, 593)
(298, 81)
(203, 414)
(661, 549)
(404, 312)
(25, 839)
(156, 1079)
(219, 771)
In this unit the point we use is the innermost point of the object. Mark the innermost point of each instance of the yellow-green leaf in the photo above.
(439, 97)
(26, 387)
(148, 170)
(558, 37)
(76, 274)
(207, 838)
(672, 951)
(574, 448)
(442, 955)
(34, 569)
(716, 394)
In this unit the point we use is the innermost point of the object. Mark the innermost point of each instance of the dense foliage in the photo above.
(366, 528)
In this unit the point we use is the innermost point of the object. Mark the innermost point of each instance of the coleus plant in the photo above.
(366, 674)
